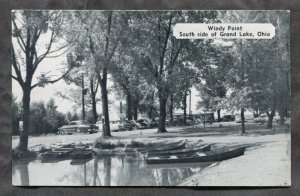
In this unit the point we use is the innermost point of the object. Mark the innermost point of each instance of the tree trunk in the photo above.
(281, 115)
(272, 114)
(94, 103)
(151, 106)
(243, 121)
(128, 102)
(135, 111)
(82, 99)
(150, 113)
(204, 119)
(171, 106)
(162, 114)
(94, 108)
(106, 131)
(270, 119)
(243, 83)
(219, 115)
(23, 144)
(184, 108)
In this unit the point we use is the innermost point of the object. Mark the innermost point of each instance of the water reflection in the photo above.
(107, 169)
(96, 177)
(21, 170)
(103, 171)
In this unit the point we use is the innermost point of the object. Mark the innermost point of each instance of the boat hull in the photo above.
(208, 158)
(174, 146)
(59, 153)
(178, 152)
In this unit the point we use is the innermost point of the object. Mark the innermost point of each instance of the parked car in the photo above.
(144, 123)
(154, 123)
(262, 118)
(228, 118)
(126, 125)
(247, 117)
(141, 124)
(285, 119)
(113, 125)
(277, 119)
(177, 121)
(238, 119)
(189, 120)
(78, 126)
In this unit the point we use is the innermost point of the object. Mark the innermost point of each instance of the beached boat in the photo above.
(203, 157)
(59, 153)
(167, 147)
(186, 151)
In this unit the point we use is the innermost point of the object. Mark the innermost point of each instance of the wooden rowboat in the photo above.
(187, 151)
(205, 157)
(59, 153)
(173, 146)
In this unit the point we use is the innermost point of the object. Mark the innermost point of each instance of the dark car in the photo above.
(142, 124)
(228, 118)
(154, 123)
(78, 126)
(177, 121)
(126, 125)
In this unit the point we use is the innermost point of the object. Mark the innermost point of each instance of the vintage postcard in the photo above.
(151, 98)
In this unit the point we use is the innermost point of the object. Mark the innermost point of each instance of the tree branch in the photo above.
(97, 86)
(165, 45)
(19, 36)
(41, 57)
(148, 64)
(92, 49)
(109, 17)
(15, 66)
(115, 46)
(52, 81)
(15, 78)
(176, 54)
(37, 36)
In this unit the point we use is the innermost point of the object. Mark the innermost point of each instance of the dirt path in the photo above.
(267, 164)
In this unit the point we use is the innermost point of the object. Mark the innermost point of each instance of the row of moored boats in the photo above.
(179, 152)
(176, 152)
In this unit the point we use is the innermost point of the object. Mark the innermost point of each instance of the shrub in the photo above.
(135, 144)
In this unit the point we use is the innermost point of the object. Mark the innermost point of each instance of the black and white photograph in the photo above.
(151, 98)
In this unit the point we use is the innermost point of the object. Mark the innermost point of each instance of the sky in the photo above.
(54, 67)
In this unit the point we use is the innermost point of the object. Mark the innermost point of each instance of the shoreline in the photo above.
(266, 162)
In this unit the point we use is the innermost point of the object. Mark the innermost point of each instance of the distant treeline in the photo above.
(44, 117)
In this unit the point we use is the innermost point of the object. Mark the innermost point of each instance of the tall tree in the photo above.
(27, 54)
(212, 81)
(160, 52)
(85, 78)
(261, 78)
(100, 33)
(122, 73)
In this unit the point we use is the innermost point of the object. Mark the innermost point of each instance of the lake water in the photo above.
(103, 171)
